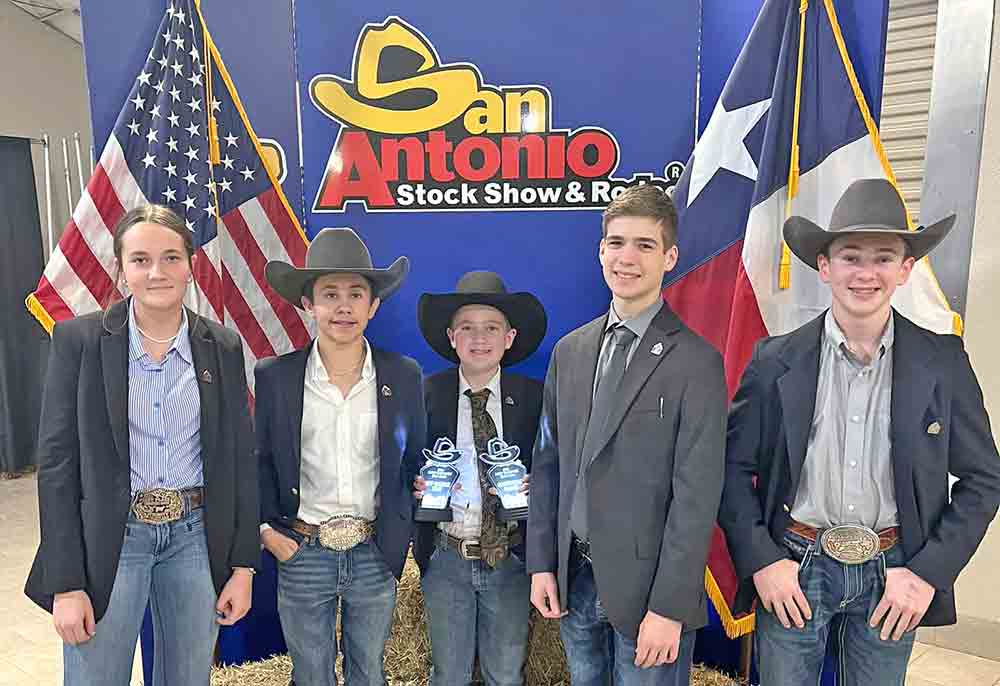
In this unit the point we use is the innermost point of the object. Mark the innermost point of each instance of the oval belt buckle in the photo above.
(850, 544)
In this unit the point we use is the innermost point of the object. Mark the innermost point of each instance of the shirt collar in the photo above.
(836, 337)
(637, 324)
(493, 385)
(317, 372)
(181, 343)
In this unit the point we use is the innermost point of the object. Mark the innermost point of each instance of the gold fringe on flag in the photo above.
(40, 313)
(734, 627)
(785, 266)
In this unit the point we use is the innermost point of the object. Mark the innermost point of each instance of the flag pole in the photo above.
(746, 657)
(79, 160)
(66, 174)
(48, 189)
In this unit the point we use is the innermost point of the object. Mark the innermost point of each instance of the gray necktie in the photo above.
(604, 399)
(608, 382)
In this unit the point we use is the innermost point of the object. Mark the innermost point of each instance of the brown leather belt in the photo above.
(849, 544)
(338, 533)
(164, 505)
(470, 549)
(310, 531)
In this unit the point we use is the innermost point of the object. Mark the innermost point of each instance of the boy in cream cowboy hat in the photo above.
(340, 425)
(841, 440)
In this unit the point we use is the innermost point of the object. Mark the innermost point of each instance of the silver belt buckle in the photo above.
(850, 544)
(464, 550)
(158, 506)
(341, 533)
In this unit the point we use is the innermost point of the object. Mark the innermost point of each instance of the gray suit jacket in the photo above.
(655, 479)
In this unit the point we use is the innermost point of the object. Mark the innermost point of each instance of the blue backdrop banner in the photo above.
(468, 140)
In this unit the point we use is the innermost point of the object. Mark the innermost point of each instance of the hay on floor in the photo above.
(408, 652)
(24, 471)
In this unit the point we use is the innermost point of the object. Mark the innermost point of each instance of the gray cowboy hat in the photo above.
(867, 206)
(523, 310)
(334, 251)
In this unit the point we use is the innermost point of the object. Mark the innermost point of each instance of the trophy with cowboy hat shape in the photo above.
(527, 323)
(441, 475)
(506, 473)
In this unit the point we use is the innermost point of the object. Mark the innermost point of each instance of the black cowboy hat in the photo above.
(523, 310)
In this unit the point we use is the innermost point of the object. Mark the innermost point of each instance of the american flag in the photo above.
(184, 140)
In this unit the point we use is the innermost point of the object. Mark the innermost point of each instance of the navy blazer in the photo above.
(84, 474)
(521, 403)
(401, 429)
(932, 382)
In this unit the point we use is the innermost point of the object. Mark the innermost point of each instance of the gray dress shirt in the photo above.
(847, 474)
(637, 325)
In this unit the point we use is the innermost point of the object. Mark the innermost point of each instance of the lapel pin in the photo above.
(386, 391)
(508, 400)
(206, 376)
(657, 349)
(934, 429)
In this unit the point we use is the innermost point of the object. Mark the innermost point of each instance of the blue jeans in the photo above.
(842, 599)
(468, 603)
(598, 655)
(165, 565)
(310, 585)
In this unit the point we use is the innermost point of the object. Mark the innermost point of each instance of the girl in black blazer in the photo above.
(147, 479)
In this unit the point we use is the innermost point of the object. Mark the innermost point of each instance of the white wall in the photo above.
(978, 593)
(43, 90)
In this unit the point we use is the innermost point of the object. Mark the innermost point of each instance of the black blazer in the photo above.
(654, 478)
(932, 381)
(521, 403)
(279, 385)
(84, 477)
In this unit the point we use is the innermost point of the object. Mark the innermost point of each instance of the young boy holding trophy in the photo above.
(473, 491)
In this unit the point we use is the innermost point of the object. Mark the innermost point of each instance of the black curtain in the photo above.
(23, 342)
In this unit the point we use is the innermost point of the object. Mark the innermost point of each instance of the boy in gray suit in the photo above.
(628, 465)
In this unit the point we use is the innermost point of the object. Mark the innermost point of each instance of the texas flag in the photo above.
(789, 134)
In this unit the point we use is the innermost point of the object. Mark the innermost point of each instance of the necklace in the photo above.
(155, 340)
(350, 370)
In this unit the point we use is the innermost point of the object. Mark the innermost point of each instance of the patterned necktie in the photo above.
(492, 538)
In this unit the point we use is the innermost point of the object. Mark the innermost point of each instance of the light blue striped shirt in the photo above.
(164, 414)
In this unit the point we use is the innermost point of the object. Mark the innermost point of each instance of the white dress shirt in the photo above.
(340, 458)
(467, 503)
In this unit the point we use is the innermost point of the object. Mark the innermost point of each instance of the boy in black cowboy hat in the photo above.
(841, 440)
(473, 578)
(340, 425)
